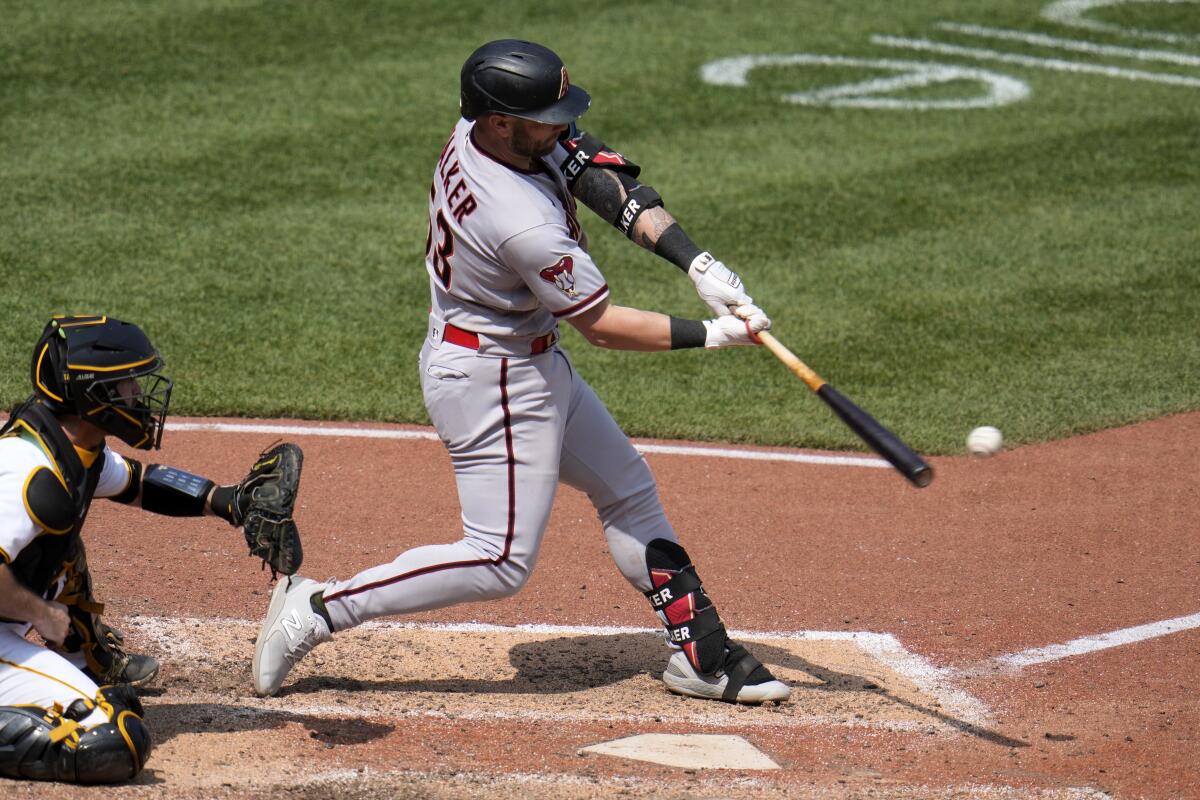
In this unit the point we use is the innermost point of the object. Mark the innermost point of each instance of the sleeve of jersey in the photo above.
(114, 475)
(556, 269)
(17, 529)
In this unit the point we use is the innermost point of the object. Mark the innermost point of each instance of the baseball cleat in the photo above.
(291, 629)
(133, 669)
(757, 684)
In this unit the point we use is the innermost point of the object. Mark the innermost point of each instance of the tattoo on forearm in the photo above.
(650, 226)
(602, 192)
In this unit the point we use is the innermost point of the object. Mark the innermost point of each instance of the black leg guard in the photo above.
(49, 745)
(693, 622)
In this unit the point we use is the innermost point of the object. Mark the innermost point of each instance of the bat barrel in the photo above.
(878, 438)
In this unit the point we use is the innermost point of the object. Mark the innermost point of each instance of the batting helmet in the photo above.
(106, 372)
(521, 79)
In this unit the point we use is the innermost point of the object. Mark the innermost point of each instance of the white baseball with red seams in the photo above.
(506, 260)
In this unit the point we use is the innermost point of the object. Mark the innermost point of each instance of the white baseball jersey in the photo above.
(18, 461)
(29, 673)
(506, 260)
(505, 253)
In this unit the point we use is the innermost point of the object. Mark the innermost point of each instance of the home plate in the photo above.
(687, 750)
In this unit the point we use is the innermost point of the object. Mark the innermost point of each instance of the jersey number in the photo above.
(440, 250)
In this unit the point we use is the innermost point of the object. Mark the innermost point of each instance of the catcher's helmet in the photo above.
(521, 79)
(106, 372)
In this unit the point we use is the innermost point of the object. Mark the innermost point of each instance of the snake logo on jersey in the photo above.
(561, 274)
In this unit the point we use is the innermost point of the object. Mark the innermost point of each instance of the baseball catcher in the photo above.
(69, 710)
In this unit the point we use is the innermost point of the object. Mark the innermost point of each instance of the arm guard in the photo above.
(637, 201)
(584, 150)
(173, 492)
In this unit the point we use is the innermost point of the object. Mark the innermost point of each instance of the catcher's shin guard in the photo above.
(713, 666)
(51, 745)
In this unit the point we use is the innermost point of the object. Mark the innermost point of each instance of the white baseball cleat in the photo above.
(681, 678)
(291, 629)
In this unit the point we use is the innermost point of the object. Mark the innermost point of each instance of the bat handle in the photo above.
(789, 359)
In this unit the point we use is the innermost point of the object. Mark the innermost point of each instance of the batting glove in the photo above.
(718, 286)
(734, 331)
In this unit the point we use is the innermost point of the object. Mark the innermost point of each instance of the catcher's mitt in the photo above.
(263, 507)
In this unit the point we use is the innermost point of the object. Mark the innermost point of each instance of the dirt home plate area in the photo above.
(1026, 627)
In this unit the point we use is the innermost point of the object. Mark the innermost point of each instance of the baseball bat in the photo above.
(877, 437)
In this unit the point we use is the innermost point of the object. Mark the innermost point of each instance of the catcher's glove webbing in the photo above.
(263, 504)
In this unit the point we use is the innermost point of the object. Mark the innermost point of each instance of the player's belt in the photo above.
(470, 339)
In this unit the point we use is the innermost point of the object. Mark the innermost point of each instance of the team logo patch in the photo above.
(561, 276)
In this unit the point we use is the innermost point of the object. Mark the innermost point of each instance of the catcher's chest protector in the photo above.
(60, 512)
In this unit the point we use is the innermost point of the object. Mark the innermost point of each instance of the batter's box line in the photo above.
(953, 705)
(279, 429)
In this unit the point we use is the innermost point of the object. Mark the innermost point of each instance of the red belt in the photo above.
(470, 339)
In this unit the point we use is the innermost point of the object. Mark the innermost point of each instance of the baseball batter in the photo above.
(69, 712)
(507, 262)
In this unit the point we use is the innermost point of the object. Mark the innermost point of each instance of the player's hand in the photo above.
(54, 623)
(718, 286)
(736, 329)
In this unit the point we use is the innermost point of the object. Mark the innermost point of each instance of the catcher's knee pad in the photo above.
(691, 618)
(51, 745)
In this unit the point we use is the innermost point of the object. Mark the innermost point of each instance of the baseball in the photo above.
(984, 441)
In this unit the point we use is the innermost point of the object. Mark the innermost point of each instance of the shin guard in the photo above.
(691, 619)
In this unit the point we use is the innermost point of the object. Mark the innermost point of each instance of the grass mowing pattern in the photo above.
(247, 181)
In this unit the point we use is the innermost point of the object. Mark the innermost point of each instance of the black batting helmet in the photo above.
(80, 366)
(521, 79)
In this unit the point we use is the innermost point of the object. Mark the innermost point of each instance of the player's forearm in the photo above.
(17, 602)
(655, 229)
(622, 328)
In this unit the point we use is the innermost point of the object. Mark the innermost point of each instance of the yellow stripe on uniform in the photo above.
(15, 665)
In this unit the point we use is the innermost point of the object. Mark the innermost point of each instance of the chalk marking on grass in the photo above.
(872, 93)
(1014, 662)
(1074, 45)
(1071, 12)
(1054, 64)
(395, 433)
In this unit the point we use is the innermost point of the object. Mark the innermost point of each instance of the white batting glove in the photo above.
(718, 286)
(734, 331)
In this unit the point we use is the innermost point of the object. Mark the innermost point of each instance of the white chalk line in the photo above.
(1073, 45)
(1054, 64)
(366, 777)
(1014, 662)
(1071, 12)
(393, 433)
(883, 647)
(1002, 89)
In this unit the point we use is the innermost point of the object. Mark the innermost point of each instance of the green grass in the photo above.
(247, 181)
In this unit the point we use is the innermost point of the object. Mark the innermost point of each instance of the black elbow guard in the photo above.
(585, 150)
(173, 492)
(640, 198)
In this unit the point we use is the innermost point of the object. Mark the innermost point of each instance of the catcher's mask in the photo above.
(106, 372)
(520, 79)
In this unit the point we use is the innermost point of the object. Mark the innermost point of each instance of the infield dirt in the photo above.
(1036, 546)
